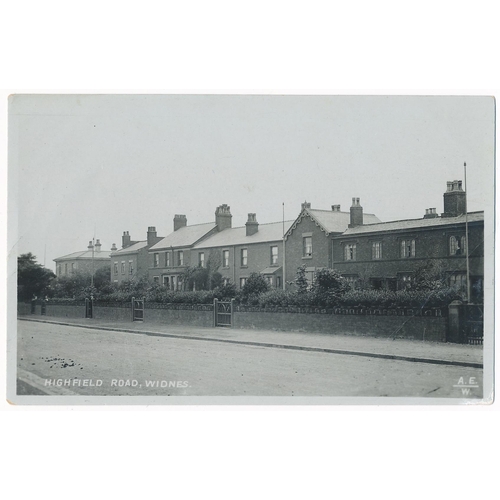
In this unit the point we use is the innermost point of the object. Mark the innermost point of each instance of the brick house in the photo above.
(309, 241)
(387, 254)
(87, 261)
(131, 262)
(171, 256)
(253, 248)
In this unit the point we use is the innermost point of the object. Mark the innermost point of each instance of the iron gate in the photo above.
(223, 313)
(474, 324)
(89, 308)
(137, 309)
(43, 311)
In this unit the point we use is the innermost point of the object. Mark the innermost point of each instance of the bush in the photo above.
(254, 286)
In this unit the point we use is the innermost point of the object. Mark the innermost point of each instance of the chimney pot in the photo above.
(223, 217)
(356, 213)
(180, 220)
(252, 226)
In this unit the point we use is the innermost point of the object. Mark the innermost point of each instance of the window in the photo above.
(352, 279)
(244, 257)
(156, 279)
(130, 267)
(201, 259)
(350, 251)
(115, 267)
(307, 248)
(269, 280)
(180, 258)
(278, 281)
(59, 269)
(405, 280)
(225, 281)
(459, 281)
(166, 281)
(457, 245)
(167, 259)
(274, 256)
(65, 268)
(156, 260)
(407, 248)
(123, 267)
(242, 282)
(72, 267)
(225, 258)
(376, 250)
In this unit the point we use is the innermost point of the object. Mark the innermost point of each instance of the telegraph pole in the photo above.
(284, 275)
(466, 235)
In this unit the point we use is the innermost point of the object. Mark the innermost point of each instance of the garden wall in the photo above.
(409, 326)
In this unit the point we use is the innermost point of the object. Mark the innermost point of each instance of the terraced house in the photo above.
(131, 261)
(387, 254)
(237, 251)
(253, 248)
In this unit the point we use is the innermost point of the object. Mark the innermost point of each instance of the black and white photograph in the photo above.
(250, 249)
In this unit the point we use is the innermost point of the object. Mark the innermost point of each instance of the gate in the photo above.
(43, 311)
(474, 324)
(223, 313)
(89, 308)
(137, 309)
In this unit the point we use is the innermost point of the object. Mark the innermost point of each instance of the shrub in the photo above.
(255, 285)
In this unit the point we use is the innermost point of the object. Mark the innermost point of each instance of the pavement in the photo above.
(398, 349)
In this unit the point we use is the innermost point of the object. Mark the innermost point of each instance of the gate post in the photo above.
(456, 323)
(232, 312)
(133, 303)
(215, 312)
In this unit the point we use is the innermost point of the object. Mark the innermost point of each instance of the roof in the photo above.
(401, 225)
(130, 249)
(185, 236)
(238, 236)
(85, 255)
(331, 221)
(270, 270)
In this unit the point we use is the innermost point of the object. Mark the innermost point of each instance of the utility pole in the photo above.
(466, 235)
(284, 275)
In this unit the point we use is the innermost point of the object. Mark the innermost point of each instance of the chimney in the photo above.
(223, 217)
(152, 237)
(356, 213)
(90, 245)
(125, 239)
(454, 199)
(305, 205)
(335, 208)
(430, 213)
(179, 221)
(113, 247)
(252, 225)
(97, 246)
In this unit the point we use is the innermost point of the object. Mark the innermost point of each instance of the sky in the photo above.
(84, 166)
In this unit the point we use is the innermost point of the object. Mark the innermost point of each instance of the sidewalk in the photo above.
(401, 349)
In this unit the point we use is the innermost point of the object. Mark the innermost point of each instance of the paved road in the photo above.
(98, 362)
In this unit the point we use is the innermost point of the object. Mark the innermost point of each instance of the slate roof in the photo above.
(85, 255)
(237, 236)
(131, 249)
(401, 225)
(184, 237)
(330, 221)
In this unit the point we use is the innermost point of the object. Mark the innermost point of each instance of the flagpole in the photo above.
(466, 235)
(284, 275)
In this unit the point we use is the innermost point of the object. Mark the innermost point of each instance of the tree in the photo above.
(32, 277)
(301, 280)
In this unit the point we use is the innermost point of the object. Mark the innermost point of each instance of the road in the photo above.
(98, 362)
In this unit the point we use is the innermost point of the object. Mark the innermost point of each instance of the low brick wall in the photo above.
(180, 314)
(409, 326)
(64, 310)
